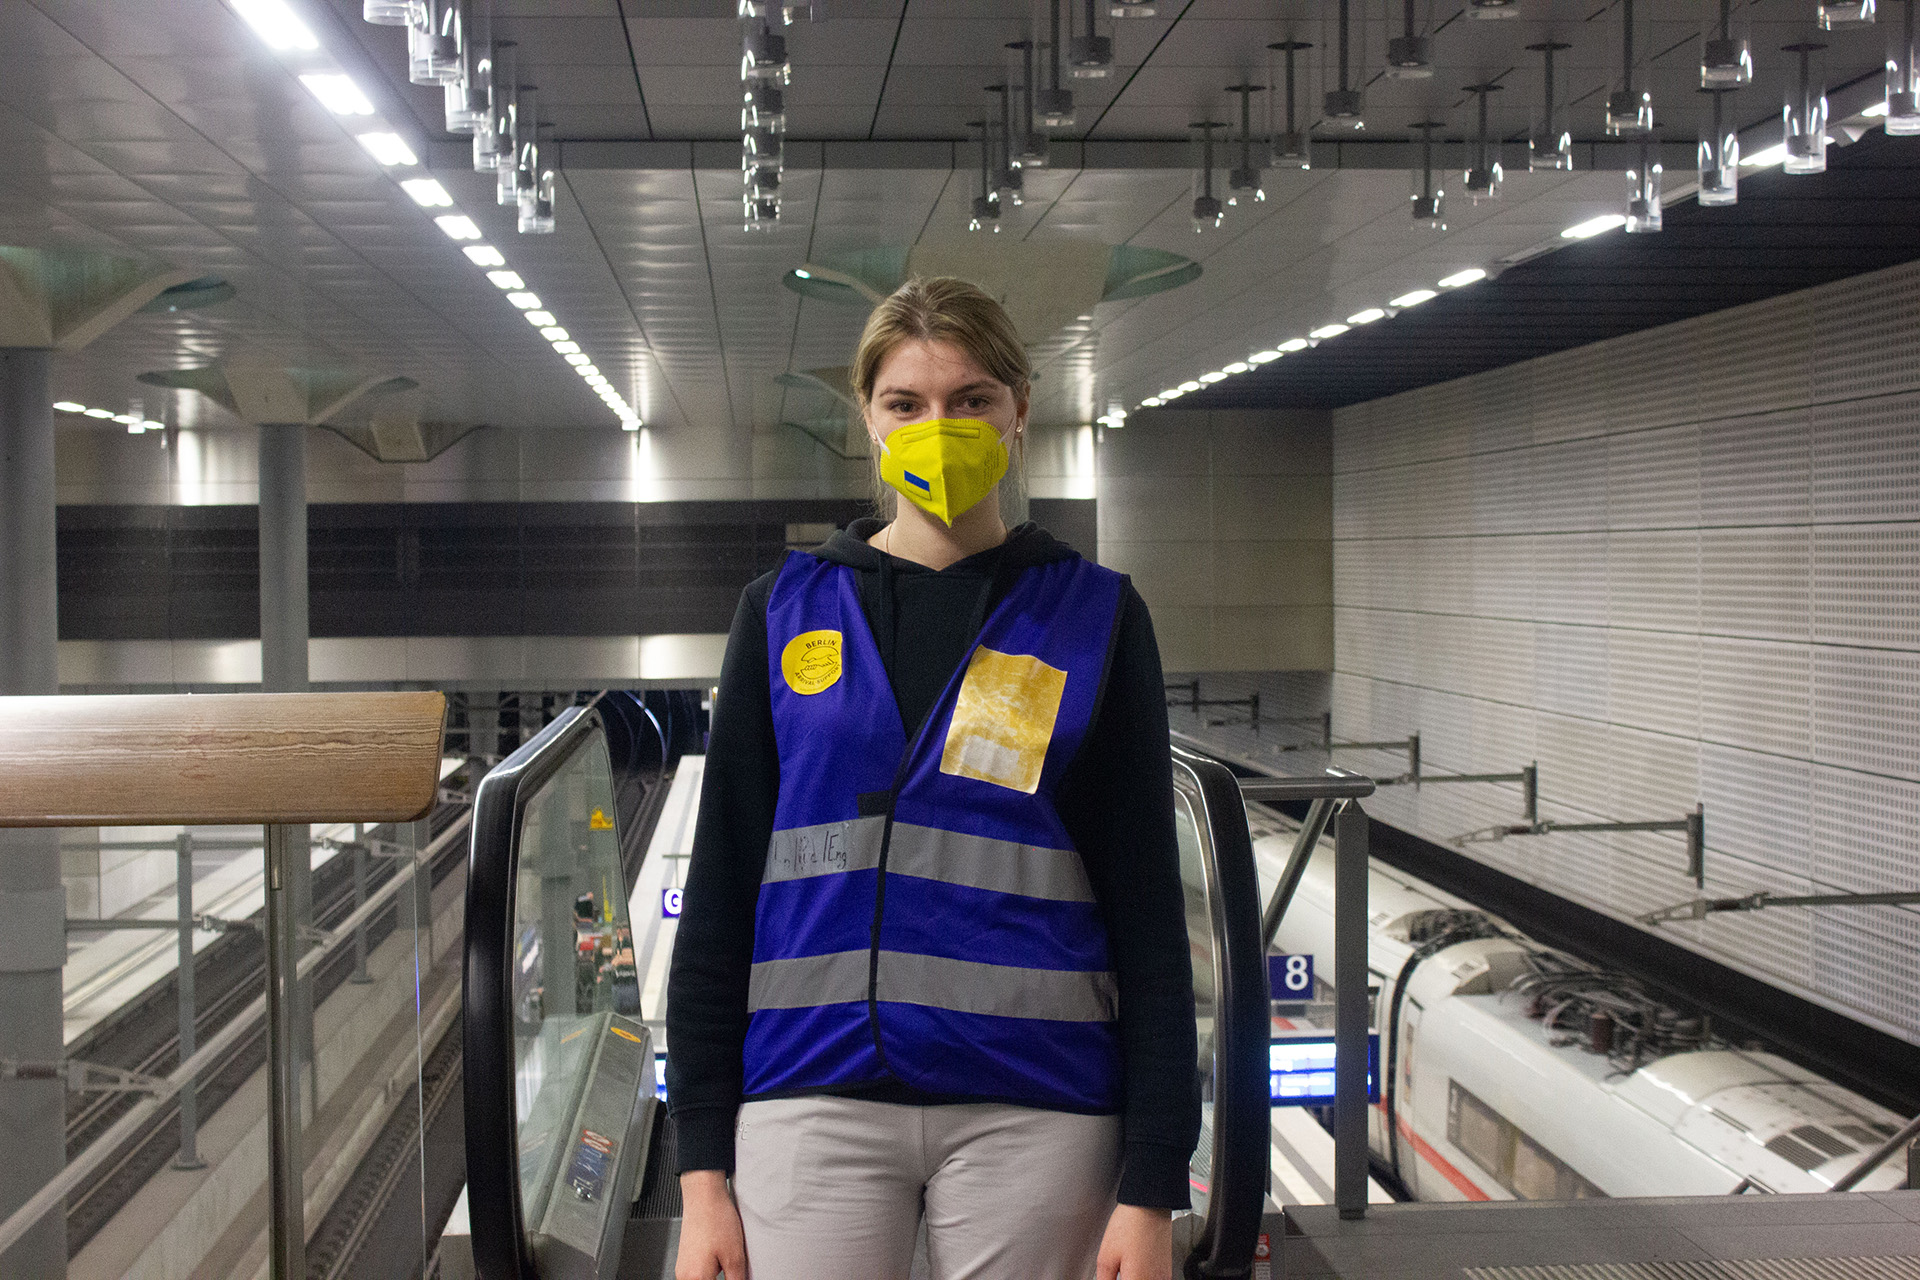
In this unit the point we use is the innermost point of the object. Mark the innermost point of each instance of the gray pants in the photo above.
(835, 1189)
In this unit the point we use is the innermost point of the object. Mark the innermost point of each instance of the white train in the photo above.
(1517, 1072)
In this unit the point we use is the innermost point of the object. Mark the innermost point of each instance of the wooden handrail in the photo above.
(227, 758)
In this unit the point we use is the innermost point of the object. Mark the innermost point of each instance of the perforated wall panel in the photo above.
(1679, 567)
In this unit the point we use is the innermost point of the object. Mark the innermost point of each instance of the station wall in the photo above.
(1224, 521)
(1674, 566)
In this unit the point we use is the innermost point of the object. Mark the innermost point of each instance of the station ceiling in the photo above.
(171, 133)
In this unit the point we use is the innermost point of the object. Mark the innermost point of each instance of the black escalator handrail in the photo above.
(1225, 1244)
(500, 1249)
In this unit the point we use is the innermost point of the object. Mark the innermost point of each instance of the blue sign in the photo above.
(1290, 977)
(670, 904)
(660, 1076)
(1300, 1069)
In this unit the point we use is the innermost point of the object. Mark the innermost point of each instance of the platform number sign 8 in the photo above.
(670, 904)
(1290, 977)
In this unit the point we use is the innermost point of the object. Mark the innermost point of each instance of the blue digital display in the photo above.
(1300, 1069)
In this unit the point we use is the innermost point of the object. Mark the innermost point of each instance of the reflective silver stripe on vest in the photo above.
(1053, 995)
(824, 849)
(981, 862)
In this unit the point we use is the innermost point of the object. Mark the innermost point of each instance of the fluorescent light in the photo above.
(566, 347)
(98, 413)
(554, 333)
(1418, 296)
(458, 226)
(588, 370)
(1215, 376)
(1151, 402)
(1263, 357)
(525, 301)
(338, 94)
(275, 23)
(125, 418)
(484, 255)
(1189, 386)
(1238, 366)
(541, 319)
(575, 358)
(1366, 317)
(1458, 278)
(506, 279)
(1593, 227)
(1172, 393)
(387, 148)
(1775, 154)
(1877, 109)
(1293, 344)
(802, 273)
(1327, 331)
(429, 194)
(69, 406)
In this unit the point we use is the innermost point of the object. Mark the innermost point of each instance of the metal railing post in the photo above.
(287, 1250)
(360, 976)
(188, 1156)
(1350, 1010)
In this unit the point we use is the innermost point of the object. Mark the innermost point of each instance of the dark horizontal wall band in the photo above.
(446, 569)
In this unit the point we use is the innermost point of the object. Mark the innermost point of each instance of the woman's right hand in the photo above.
(711, 1239)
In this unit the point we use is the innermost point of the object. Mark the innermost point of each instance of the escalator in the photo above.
(570, 1155)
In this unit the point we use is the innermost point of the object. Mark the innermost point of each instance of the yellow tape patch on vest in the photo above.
(1003, 720)
(811, 661)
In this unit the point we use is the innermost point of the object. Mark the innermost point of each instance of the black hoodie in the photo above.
(1115, 798)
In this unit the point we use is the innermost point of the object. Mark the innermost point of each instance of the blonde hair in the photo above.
(942, 309)
(947, 309)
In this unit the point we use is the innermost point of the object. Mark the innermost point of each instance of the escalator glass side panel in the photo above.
(1222, 901)
(558, 1064)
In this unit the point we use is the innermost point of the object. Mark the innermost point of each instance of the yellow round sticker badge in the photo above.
(811, 661)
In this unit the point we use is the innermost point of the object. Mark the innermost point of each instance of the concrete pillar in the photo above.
(283, 558)
(32, 902)
(283, 669)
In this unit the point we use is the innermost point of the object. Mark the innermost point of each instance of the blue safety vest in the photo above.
(924, 916)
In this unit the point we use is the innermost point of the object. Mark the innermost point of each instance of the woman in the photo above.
(932, 962)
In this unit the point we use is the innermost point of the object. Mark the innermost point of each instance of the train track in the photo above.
(228, 974)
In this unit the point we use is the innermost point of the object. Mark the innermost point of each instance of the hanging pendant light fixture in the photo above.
(1804, 116)
(1493, 8)
(1484, 176)
(763, 106)
(1549, 145)
(1131, 9)
(1244, 178)
(1090, 55)
(1428, 200)
(387, 13)
(466, 97)
(1031, 142)
(1630, 105)
(1643, 187)
(433, 43)
(1410, 54)
(1345, 106)
(533, 181)
(1903, 79)
(1845, 13)
(763, 55)
(1719, 155)
(1053, 106)
(986, 205)
(1726, 55)
(1291, 146)
(507, 133)
(1008, 178)
(1207, 209)
(487, 144)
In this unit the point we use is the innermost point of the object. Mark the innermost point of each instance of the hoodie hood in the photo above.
(1027, 544)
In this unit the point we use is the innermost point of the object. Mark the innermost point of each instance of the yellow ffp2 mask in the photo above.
(944, 467)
